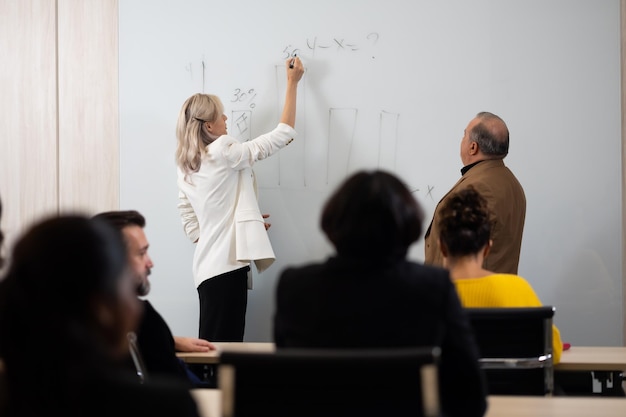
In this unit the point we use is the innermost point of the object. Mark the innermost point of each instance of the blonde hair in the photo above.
(191, 132)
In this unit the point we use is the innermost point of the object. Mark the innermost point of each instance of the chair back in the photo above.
(330, 382)
(515, 347)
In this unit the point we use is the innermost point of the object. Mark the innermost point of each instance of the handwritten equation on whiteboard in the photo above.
(310, 46)
(331, 44)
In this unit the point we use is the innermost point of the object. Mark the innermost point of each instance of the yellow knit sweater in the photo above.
(503, 290)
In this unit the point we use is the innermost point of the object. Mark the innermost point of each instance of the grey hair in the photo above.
(491, 135)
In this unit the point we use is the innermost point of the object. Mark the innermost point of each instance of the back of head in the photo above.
(69, 257)
(372, 215)
(464, 223)
(491, 134)
(191, 131)
(61, 268)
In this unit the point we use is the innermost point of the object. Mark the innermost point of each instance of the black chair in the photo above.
(330, 382)
(515, 349)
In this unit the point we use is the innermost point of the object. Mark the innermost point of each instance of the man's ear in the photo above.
(473, 148)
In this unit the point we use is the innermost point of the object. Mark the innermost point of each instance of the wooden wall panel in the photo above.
(88, 105)
(28, 112)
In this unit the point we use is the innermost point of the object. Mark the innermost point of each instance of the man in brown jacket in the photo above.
(483, 148)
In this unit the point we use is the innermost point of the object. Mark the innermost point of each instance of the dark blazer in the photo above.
(156, 344)
(113, 396)
(507, 203)
(155, 398)
(366, 303)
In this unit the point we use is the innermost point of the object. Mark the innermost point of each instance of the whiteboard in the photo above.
(389, 84)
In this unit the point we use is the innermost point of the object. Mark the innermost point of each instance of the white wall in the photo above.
(389, 84)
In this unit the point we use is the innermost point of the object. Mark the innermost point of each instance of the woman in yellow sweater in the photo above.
(465, 229)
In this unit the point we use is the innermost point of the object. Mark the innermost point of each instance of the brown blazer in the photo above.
(507, 202)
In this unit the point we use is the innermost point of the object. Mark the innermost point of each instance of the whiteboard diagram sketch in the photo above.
(291, 167)
(341, 131)
(338, 140)
(388, 141)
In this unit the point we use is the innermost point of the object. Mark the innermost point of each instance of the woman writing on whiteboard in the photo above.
(218, 205)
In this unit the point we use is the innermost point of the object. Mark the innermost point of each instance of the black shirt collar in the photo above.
(468, 167)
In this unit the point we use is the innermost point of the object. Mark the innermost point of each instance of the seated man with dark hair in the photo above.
(156, 343)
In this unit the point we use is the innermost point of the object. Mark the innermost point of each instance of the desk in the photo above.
(605, 362)
(213, 356)
(512, 406)
(210, 403)
(576, 358)
(593, 358)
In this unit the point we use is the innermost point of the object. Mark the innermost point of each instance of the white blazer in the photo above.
(219, 208)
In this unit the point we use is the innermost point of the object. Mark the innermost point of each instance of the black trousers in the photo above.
(223, 302)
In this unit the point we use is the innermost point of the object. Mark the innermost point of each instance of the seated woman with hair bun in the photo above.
(465, 229)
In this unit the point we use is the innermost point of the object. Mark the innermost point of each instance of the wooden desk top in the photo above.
(593, 358)
(522, 406)
(210, 403)
(576, 358)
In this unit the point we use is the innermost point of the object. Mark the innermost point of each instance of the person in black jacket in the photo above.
(369, 295)
(67, 304)
(156, 343)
